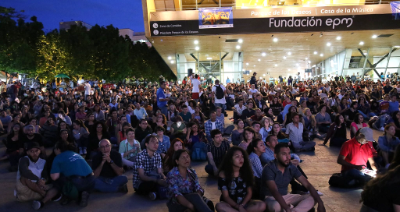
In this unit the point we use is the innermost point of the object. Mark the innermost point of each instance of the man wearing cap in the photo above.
(354, 155)
(31, 178)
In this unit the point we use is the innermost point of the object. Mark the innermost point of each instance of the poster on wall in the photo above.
(210, 18)
(395, 6)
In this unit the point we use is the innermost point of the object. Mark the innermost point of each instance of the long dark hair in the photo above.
(252, 145)
(395, 120)
(357, 118)
(178, 154)
(246, 172)
(337, 120)
(375, 187)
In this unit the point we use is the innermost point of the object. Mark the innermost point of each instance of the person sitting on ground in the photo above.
(236, 182)
(176, 144)
(49, 131)
(337, 132)
(237, 134)
(142, 131)
(178, 125)
(357, 124)
(275, 180)
(184, 190)
(212, 124)
(388, 143)
(14, 145)
(81, 135)
(255, 149)
(129, 148)
(238, 110)
(323, 120)
(288, 117)
(185, 114)
(266, 124)
(393, 104)
(148, 172)
(194, 135)
(163, 141)
(249, 111)
(107, 166)
(295, 132)
(220, 116)
(354, 155)
(31, 179)
(216, 150)
(382, 193)
(70, 167)
(249, 134)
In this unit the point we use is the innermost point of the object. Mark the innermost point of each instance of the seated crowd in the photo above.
(66, 145)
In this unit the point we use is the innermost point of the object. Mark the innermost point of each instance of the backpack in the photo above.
(340, 181)
(199, 151)
(220, 92)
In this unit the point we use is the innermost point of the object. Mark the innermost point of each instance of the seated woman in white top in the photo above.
(129, 148)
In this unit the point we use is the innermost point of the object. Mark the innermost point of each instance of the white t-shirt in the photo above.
(213, 125)
(87, 88)
(195, 84)
(254, 90)
(214, 90)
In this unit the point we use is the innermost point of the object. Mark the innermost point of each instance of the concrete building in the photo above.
(135, 36)
(67, 25)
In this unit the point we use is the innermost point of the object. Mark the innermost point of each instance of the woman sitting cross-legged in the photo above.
(235, 182)
(184, 190)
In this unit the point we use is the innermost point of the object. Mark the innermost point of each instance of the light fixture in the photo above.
(328, 44)
(240, 41)
(315, 52)
(275, 40)
(254, 65)
(237, 47)
(374, 36)
(321, 55)
(209, 58)
(338, 38)
(259, 60)
(196, 42)
(361, 43)
(263, 54)
(276, 65)
(169, 57)
(289, 53)
(264, 75)
(297, 64)
(197, 48)
(172, 61)
(260, 77)
(306, 58)
(247, 64)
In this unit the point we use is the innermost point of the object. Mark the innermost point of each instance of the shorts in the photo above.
(195, 95)
(25, 194)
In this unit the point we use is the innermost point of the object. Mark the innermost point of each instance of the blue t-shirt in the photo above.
(393, 106)
(70, 163)
(160, 94)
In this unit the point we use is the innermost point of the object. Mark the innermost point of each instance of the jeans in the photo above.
(81, 183)
(303, 146)
(145, 187)
(164, 110)
(104, 184)
(194, 198)
(357, 175)
(223, 106)
(381, 121)
(209, 169)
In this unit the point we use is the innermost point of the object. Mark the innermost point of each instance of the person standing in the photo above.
(219, 92)
(195, 87)
(253, 80)
(161, 99)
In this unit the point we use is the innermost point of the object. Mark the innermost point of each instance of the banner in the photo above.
(215, 18)
(395, 6)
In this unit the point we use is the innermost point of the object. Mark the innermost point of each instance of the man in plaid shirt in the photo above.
(212, 124)
(148, 172)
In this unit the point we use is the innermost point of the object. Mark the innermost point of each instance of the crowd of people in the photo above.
(66, 143)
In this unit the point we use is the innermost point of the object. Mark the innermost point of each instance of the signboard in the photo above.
(215, 18)
(272, 20)
(309, 70)
(395, 6)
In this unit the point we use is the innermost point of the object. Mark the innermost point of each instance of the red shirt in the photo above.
(355, 153)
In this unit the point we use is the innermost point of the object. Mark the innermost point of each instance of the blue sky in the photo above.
(119, 13)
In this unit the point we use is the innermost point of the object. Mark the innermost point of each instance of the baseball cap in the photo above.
(32, 145)
(367, 132)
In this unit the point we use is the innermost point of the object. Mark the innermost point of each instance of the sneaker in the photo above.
(84, 151)
(80, 151)
(320, 193)
(123, 188)
(57, 198)
(84, 199)
(152, 195)
(36, 205)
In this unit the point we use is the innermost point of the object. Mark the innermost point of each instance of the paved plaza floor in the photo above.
(318, 166)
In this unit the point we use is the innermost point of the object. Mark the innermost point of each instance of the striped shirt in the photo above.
(218, 153)
(256, 164)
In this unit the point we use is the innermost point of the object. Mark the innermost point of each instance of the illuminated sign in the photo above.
(215, 18)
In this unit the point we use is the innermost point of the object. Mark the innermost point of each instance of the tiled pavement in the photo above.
(318, 166)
